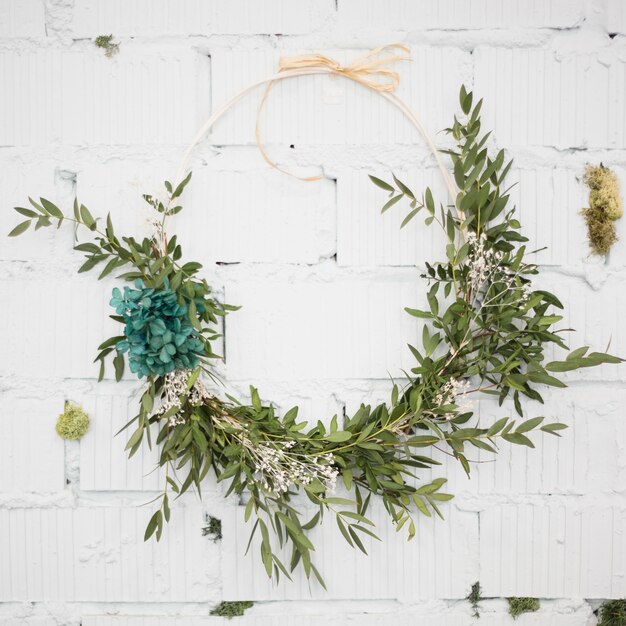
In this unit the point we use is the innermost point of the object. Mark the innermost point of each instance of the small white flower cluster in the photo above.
(455, 392)
(484, 263)
(482, 260)
(277, 464)
(175, 386)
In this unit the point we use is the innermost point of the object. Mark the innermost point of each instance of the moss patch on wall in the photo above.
(107, 44)
(605, 206)
(73, 423)
(517, 606)
(474, 598)
(613, 613)
(231, 609)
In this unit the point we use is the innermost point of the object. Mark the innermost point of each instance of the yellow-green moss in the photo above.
(604, 193)
(73, 423)
(605, 206)
(600, 231)
(517, 606)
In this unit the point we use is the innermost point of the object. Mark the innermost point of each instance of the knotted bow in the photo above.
(371, 70)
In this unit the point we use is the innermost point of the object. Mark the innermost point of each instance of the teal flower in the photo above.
(159, 336)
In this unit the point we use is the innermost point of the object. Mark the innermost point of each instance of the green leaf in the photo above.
(409, 217)
(20, 228)
(181, 186)
(390, 203)
(87, 217)
(519, 439)
(496, 427)
(26, 212)
(552, 428)
(381, 183)
(51, 208)
(545, 379)
(152, 525)
(418, 313)
(339, 436)
(347, 478)
(403, 188)
(109, 267)
(118, 364)
(529, 425)
(428, 201)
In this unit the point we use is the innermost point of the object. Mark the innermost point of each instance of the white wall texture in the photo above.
(322, 278)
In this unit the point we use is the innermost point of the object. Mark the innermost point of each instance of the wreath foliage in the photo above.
(486, 330)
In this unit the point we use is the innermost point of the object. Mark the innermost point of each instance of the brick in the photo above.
(24, 179)
(552, 550)
(22, 18)
(415, 15)
(355, 329)
(541, 98)
(197, 17)
(77, 310)
(104, 463)
(323, 110)
(28, 621)
(98, 554)
(88, 103)
(615, 17)
(31, 453)
(437, 563)
(252, 215)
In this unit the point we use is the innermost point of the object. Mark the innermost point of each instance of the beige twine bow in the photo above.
(371, 71)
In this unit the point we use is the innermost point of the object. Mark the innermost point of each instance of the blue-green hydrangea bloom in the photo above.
(159, 336)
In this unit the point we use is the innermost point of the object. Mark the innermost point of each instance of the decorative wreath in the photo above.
(485, 330)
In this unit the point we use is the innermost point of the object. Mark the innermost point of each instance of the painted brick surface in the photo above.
(22, 18)
(553, 549)
(556, 99)
(332, 343)
(322, 278)
(408, 16)
(139, 18)
(31, 453)
(615, 17)
(98, 554)
(88, 103)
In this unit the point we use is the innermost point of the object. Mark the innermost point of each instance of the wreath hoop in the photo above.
(485, 331)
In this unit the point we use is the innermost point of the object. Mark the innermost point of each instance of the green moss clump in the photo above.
(605, 206)
(517, 606)
(106, 43)
(231, 609)
(613, 613)
(474, 598)
(213, 528)
(73, 423)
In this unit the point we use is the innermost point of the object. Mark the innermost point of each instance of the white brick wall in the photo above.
(322, 278)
